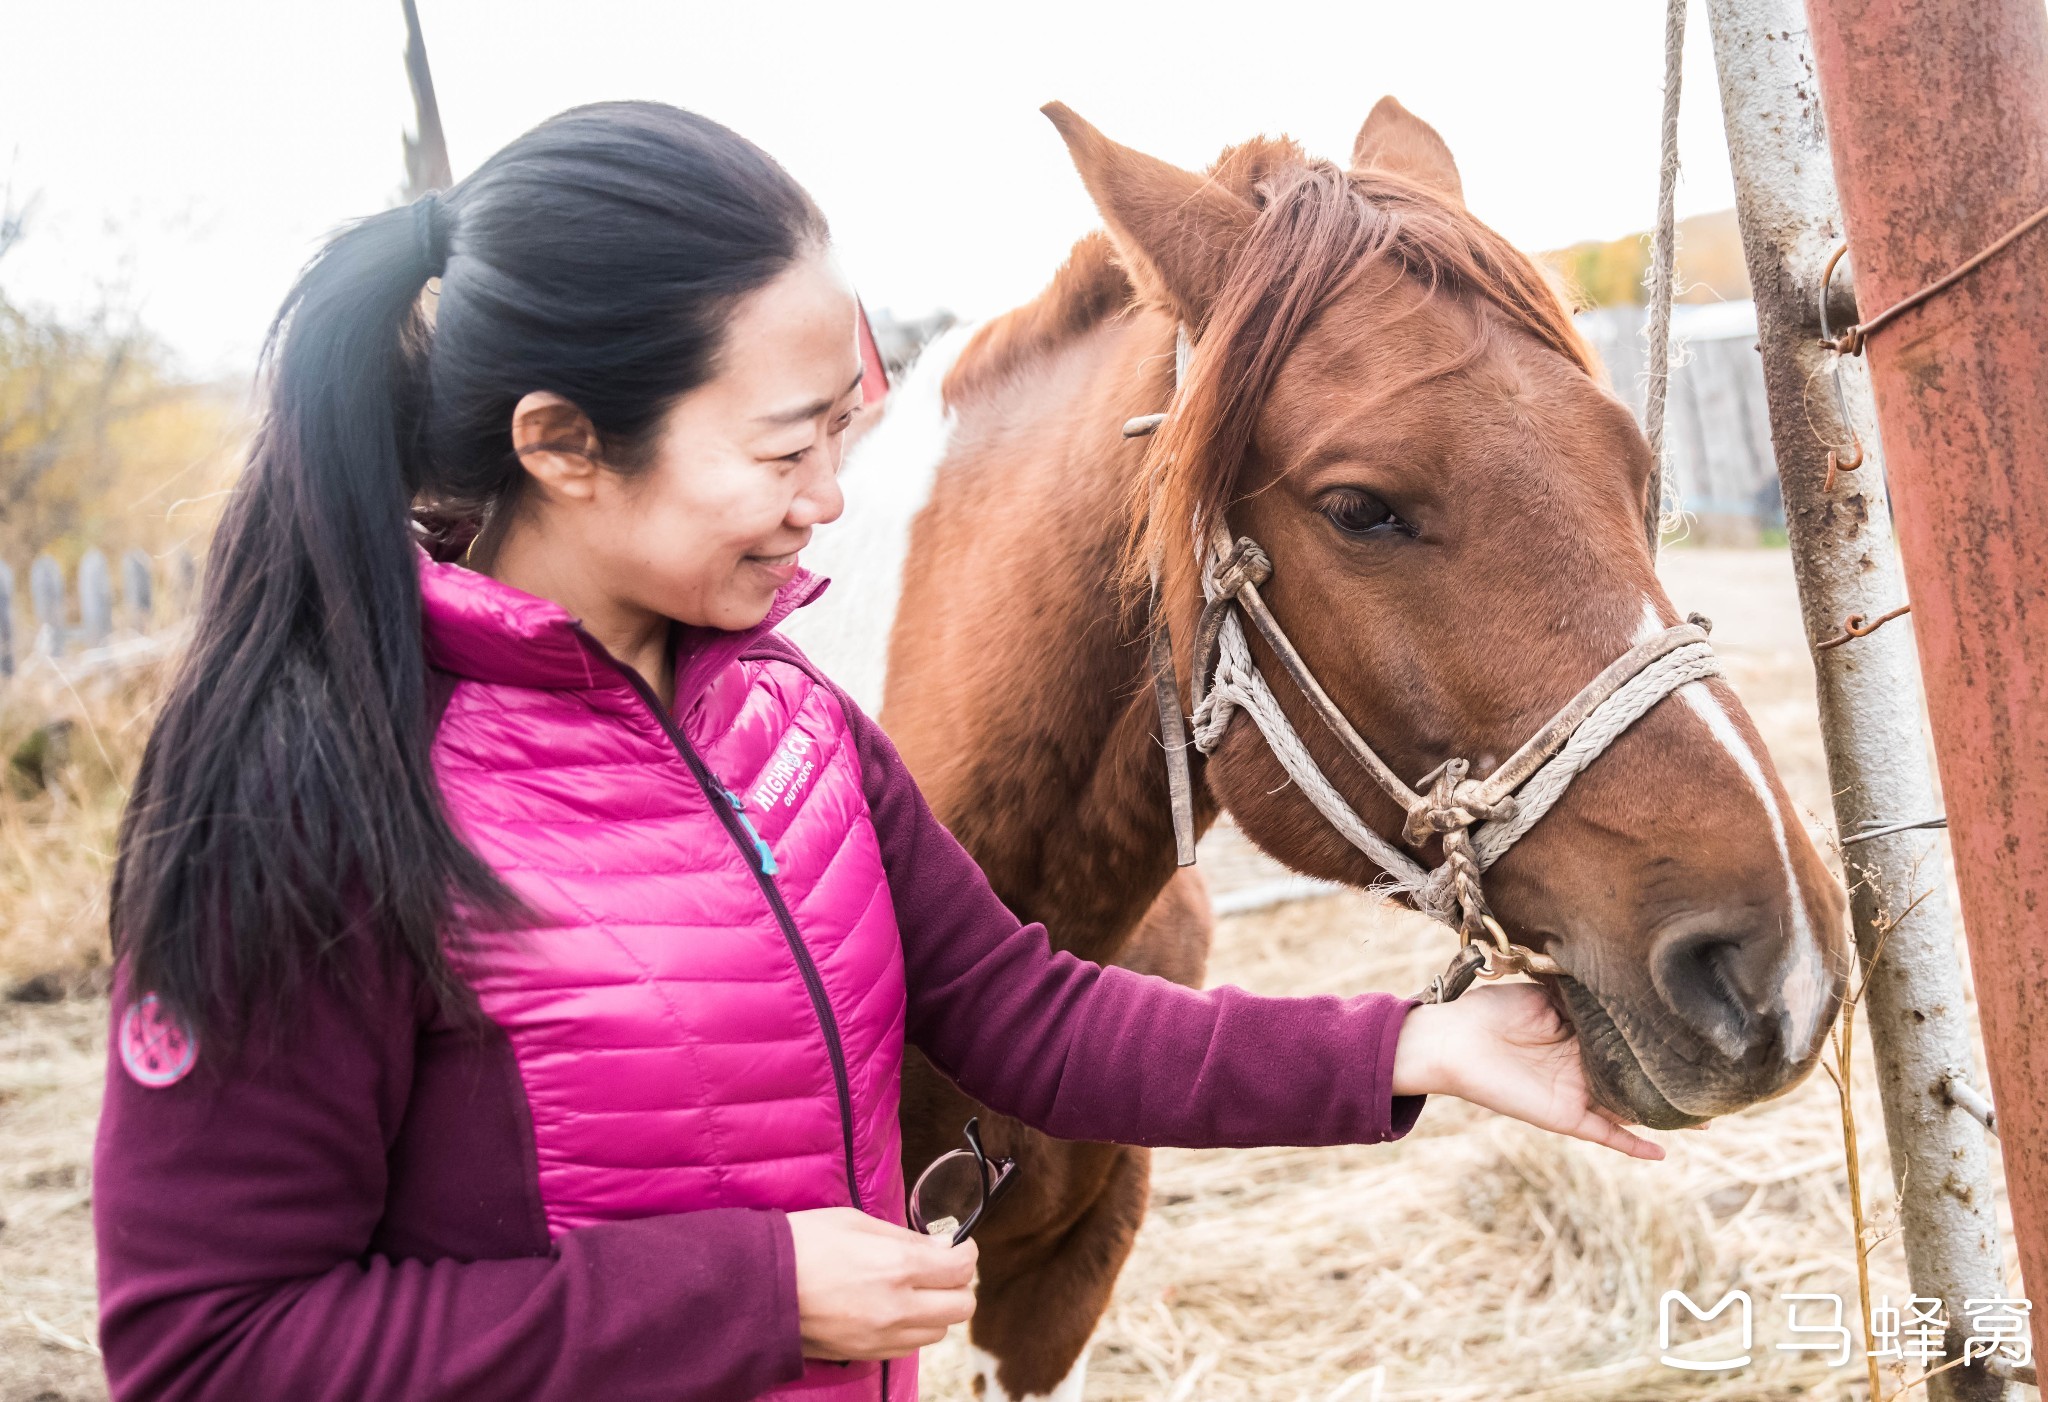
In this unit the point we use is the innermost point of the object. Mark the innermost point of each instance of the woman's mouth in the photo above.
(782, 567)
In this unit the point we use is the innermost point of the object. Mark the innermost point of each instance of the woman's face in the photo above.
(744, 466)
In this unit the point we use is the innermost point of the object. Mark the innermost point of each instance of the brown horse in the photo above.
(1393, 402)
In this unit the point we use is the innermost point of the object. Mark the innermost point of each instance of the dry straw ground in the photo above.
(1476, 1259)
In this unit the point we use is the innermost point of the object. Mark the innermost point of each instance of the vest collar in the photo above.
(482, 629)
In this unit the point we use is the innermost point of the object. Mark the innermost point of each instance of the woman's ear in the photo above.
(557, 445)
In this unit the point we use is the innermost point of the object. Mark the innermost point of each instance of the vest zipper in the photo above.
(761, 863)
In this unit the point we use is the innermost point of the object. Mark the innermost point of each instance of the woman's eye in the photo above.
(1361, 513)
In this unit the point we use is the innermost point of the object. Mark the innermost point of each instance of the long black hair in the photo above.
(285, 824)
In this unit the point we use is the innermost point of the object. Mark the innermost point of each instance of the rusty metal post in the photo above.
(1879, 769)
(1937, 116)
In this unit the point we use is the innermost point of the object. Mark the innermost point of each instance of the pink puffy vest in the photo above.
(711, 1014)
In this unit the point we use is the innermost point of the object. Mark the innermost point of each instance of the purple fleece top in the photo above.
(356, 1216)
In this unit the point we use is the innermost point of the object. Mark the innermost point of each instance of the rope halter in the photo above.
(1477, 820)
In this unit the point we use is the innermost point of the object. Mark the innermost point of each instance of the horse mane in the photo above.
(1089, 288)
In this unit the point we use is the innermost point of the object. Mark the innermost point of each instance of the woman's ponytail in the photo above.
(285, 824)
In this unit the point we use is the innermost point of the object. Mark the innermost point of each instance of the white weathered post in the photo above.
(184, 581)
(6, 619)
(136, 586)
(1879, 768)
(95, 598)
(46, 590)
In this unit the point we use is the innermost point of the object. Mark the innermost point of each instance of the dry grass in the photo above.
(1476, 1259)
(56, 853)
(50, 1067)
(57, 834)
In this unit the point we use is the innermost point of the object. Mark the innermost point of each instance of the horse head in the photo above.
(1392, 401)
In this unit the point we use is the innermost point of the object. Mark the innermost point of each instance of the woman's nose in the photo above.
(820, 500)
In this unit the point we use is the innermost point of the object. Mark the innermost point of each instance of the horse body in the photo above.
(1017, 697)
(1391, 401)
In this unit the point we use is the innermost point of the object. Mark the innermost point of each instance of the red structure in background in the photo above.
(1937, 114)
(874, 380)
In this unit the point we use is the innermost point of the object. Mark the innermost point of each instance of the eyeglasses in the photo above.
(960, 1185)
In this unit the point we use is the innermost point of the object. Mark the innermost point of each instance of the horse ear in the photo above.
(1176, 230)
(1397, 141)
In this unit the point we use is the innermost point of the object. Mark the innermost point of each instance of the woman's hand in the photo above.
(865, 1289)
(1504, 1047)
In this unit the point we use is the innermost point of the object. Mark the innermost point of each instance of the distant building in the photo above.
(1717, 427)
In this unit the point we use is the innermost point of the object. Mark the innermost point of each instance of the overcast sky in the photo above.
(194, 153)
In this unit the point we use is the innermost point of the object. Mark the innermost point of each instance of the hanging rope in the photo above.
(1663, 267)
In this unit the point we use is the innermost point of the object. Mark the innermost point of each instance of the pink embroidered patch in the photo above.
(155, 1047)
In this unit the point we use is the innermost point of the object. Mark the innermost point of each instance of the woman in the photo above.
(516, 952)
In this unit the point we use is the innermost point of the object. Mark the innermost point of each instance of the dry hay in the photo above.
(68, 748)
(59, 809)
(50, 1069)
(1477, 1258)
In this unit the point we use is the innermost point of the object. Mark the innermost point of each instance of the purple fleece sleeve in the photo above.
(1081, 1051)
(235, 1212)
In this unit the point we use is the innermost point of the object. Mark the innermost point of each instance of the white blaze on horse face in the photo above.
(1803, 984)
(888, 477)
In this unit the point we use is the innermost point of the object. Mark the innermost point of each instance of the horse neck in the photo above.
(1018, 689)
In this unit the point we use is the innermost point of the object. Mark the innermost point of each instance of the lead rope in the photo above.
(1180, 784)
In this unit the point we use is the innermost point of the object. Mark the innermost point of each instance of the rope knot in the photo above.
(1451, 804)
(1245, 564)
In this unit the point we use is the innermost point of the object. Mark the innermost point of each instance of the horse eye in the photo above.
(1360, 513)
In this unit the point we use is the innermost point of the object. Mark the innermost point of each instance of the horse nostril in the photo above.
(1707, 976)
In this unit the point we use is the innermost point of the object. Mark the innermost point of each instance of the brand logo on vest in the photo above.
(789, 772)
(156, 1047)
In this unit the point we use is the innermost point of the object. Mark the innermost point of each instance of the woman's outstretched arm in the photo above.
(1086, 1052)
(1081, 1051)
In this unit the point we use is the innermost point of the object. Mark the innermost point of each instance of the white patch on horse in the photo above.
(1803, 981)
(1067, 1389)
(1650, 626)
(887, 477)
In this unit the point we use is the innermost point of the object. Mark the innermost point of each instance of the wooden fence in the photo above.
(1718, 427)
(91, 613)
